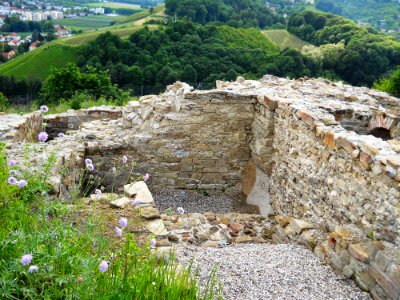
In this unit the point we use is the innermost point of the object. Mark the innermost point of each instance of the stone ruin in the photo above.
(320, 159)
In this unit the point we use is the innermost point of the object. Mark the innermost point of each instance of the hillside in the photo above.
(284, 39)
(37, 63)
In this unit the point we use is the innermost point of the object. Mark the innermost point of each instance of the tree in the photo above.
(189, 75)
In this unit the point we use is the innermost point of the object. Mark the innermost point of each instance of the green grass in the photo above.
(37, 63)
(284, 39)
(250, 38)
(85, 23)
(158, 12)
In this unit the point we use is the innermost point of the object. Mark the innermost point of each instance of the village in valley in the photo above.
(26, 25)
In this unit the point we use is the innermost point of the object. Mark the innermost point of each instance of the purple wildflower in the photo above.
(44, 109)
(12, 163)
(118, 231)
(61, 135)
(123, 222)
(124, 159)
(136, 202)
(103, 266)
(11, 180)
(43, 136)
(153, 242)
(26, 259)
(90, 167)
(180, 210)
(88, 161)
(33, 269)
(22, 183)
(146, 177)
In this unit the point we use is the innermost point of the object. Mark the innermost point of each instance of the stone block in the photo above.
(121, 202)
(365, 160)
(139, 190)
(329, 140)
(358, 252)
(384, 281)
(299, 225)
(149, 212)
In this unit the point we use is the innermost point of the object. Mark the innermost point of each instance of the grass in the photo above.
(87, 23)
(113, 5)
(143, 16)
(72, 254)
(283, 39)
(37, 64)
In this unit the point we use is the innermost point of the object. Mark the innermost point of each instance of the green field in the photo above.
(113, 5)
(284, 39)
(37, 64)
(87, 23)
(143, 16)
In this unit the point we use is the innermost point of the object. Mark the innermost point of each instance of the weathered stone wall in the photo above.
(17, 128)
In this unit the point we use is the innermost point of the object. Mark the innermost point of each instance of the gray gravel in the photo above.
(267, 271)
(201, 201)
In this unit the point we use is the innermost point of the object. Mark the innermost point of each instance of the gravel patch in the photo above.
(268, 271)
(195, 201)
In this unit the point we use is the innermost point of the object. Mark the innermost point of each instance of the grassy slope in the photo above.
(37, 64)
(284, 39)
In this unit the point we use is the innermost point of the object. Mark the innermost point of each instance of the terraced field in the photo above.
(284, 39)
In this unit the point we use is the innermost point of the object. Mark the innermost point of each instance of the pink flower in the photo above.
(124, 159)
(146, 177)
(123, 222)
(153, 242)
(26, 259)
(12, 163)
(180, 210)
(90, 167)
(33, 269)
(118, 231)
(103, 266)
(88, 161)
(43, 136)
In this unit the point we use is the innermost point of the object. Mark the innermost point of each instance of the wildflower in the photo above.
(90, 167)
(26, 259)
(88, 161)
(12, 163)
(22, 183)
(33, 269)
(180, 210)
(153, 283)
(118, 231)
(98, 193)
(153, 242)
(61, 135)
(146, 177)
(114, 170)
(124, 159)
(11, 180)
(43, 136)
(14, 172)
(44, 109)
(136, 202)
(123, 222)
(103, 266)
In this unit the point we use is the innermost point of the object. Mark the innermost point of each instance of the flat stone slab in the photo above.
(157, 227)
(138, 191)
(121, 202)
